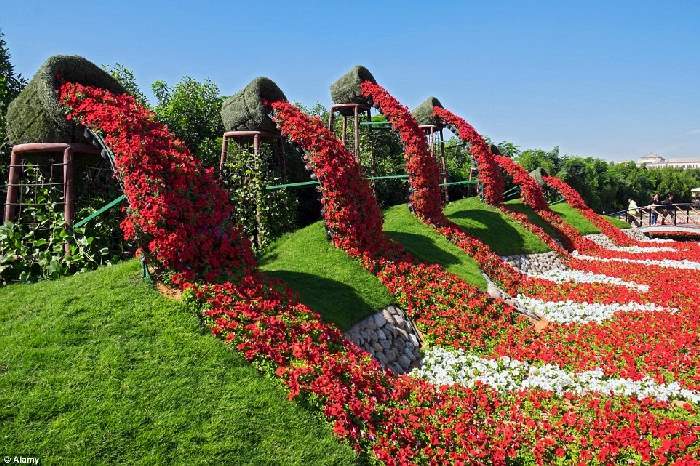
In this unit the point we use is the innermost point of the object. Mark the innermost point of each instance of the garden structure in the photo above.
(42, 138)
(575, 358)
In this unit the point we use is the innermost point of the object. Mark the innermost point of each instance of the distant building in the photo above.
(657, 161)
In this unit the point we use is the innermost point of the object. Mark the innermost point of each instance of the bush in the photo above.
(34, 247)
(263, 214)
(192, 111)
(36, 115)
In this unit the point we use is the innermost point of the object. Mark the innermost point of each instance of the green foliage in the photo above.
(127, 79)
(429, 246)
(264, 214)
(34, 247)
(606, 186)
(37, 116)
(101, 369)
(10, 87)
(191, 109)
(326, 278)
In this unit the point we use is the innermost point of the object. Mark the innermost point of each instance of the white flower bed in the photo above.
(444, 367)
(641, 249)
(574, 312)
(682, 264)
(581, 276)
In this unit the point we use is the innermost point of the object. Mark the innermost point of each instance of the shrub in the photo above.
(34, 247)
(191, 110)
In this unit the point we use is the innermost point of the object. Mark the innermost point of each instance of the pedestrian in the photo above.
(667, 208)
(632, 212)
(653, 213)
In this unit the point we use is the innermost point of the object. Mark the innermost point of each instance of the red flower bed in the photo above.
(489, 174)
(399, 419)
(350, 210)
(179, 214)
(421, 166)
(530, 191)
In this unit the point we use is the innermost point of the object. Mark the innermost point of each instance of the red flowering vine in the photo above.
(489, 174)
(422, 168)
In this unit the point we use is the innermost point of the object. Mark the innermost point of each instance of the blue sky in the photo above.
(609, 79)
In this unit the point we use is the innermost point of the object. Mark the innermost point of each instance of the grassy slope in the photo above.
(487, 223)
(578, 221)
(326, 278)
(99, 368)
(429, 246)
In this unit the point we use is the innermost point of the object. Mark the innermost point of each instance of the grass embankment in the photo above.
(429, 246)
(503, 235)
(326, 278)
(581, 223)
(100, 368)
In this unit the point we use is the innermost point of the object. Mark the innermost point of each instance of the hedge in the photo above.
(424, 114)
(36, 115)
(245, 111)
(346, 90)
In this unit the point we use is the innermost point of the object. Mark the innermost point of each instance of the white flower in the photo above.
(445, 366)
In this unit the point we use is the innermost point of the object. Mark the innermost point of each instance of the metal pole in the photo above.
(345, 129)
(12, 181)
(224, 153)
(444, 165)
(258, 221)
(331, 119)
(68, 186)
(357, 134)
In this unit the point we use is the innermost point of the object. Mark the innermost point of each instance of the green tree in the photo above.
(10, 86)
(192, 111)
(126, 78)
(538, 158)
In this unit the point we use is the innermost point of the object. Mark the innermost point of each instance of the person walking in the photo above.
(667, 208)
(653, 213)
(632, 212)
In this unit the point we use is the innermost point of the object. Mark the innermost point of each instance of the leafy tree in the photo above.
(538, 158)
(126, 78)
(192, 111)
(10, 86)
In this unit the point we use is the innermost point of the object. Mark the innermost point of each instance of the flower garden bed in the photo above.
(498, 386)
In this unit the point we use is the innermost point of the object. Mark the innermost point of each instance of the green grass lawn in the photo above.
(504, 236)
(581, 223)
(326, 278)
(429, 246)
(100, 368)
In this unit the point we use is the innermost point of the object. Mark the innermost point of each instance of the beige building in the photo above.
(657, 161)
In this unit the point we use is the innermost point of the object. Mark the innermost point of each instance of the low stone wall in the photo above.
(602, 240)
(536, 263)
(390, 337)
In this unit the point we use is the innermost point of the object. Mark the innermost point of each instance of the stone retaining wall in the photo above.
(390, 337)
(536, 263)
